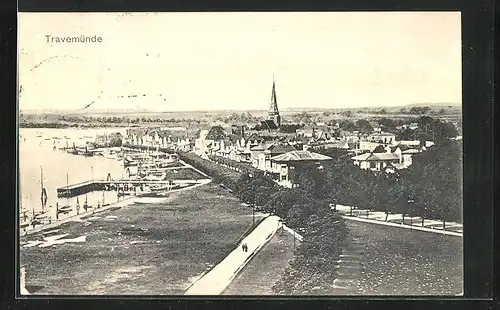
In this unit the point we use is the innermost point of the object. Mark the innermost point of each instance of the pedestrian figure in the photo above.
(243, 247)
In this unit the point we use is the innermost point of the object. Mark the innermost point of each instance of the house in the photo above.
(349, 136)
(253, 140)
(381, 157)
(283, 165)
(381, 137)
(201, 144)
(339, 144)
(262, 154)
(367, 145)
(406, 154)
(216, 133)
(376, 161)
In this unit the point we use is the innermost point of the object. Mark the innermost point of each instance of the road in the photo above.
(217, 279)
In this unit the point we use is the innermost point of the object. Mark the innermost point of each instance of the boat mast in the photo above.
(43, 193)
(67, 189)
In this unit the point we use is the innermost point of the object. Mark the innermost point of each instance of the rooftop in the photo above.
(300, 156)
(376, 157)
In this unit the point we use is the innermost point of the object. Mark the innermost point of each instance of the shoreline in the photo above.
(76, 217)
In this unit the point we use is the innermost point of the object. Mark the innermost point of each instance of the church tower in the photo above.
(274, 113)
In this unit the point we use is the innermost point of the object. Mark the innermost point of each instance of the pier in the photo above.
(109, 185)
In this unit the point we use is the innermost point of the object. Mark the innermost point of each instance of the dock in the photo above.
(103, 185)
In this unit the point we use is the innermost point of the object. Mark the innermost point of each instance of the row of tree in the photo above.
(312, 271)
(431, 187)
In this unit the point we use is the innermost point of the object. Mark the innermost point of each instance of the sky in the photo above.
(226, 61)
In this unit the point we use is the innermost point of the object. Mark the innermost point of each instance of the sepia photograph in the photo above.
(240, 153)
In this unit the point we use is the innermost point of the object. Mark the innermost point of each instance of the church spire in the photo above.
(274, 102)
(274, 113)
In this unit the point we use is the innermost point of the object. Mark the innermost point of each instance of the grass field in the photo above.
(180, 239)
(265, 268)
(400, 261)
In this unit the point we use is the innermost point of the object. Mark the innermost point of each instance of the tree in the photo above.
(311, 179)
(419, 110)
(347, 125)
(347, 113)
(364, 126)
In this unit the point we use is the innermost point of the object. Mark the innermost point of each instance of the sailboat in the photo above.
(43, 194)
(86, 204)
(73, 151)
(67, 207)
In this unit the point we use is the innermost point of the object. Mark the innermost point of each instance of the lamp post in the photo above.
(410, 201)
(253, 215)
(293, 242)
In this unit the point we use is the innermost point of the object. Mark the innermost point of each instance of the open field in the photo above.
(147, 249)
(398, 261)
(265, 268)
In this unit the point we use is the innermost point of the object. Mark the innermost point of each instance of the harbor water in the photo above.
(38, 156)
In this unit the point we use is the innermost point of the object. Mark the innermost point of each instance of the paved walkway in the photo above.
(217, 279)
(396, 220)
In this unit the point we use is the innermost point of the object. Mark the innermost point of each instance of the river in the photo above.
(36, 153)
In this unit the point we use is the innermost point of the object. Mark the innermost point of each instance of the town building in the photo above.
(381, 137)
(376, 161)
(261, 154)
(284, 165)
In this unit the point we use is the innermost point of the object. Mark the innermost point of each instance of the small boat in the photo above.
(41, 217)
(151, 197)
(110, 155)
(152, 177)
(126, 193)
(86, 153)
(64, 209)
(36, 222)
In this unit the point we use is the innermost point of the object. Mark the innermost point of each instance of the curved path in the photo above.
(217, 279)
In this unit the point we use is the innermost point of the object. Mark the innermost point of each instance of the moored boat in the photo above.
(151, 197)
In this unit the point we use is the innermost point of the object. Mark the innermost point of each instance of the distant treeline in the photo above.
(81, 119)
(62, 125)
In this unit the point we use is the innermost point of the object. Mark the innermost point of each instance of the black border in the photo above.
(478, 120)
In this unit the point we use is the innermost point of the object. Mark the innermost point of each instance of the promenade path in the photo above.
(397, 220)
(218, 278)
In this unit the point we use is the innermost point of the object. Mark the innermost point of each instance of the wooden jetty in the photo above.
(102, 185)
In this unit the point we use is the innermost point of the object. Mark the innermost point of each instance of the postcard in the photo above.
(270, 154)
